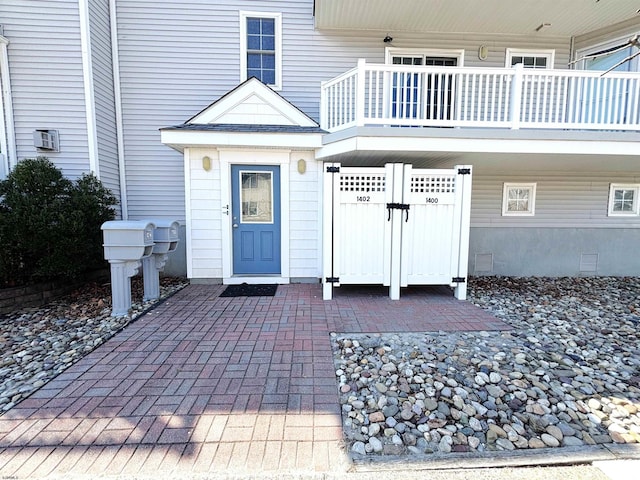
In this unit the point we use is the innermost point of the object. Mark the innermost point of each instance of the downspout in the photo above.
(117, 99)
(89, 97)
(572, 53)
(7, 126)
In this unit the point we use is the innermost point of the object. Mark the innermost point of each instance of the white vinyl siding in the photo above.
(206, 216)
(47, 78)
(175, 61)
(104, 95)
(563, 200)
(304, 226)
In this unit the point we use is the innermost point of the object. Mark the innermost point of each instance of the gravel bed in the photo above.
(568, 374)
(38, 343)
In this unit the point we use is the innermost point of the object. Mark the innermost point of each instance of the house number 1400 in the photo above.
(432, 200)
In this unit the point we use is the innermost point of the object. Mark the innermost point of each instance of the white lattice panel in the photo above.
(433, 188)
(361, 187)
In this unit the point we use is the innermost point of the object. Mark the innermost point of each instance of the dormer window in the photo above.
(260, 45)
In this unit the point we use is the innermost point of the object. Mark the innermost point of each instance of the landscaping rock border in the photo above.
(567, 375)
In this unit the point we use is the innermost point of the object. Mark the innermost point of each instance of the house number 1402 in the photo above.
(363, 199)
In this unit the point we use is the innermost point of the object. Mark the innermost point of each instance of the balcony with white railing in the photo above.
(507, 98)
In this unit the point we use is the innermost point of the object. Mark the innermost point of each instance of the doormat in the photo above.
(246, 290)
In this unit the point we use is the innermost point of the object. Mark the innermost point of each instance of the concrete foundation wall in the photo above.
(554, 252)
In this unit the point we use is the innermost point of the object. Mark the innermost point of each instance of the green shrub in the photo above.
(49, 225)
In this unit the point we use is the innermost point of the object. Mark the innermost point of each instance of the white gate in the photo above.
(396, 226)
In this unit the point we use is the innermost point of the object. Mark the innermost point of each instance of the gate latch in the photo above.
(398, 206)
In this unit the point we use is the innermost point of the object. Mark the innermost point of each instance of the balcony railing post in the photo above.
(516, 96)
(360, 83)
(324, 107)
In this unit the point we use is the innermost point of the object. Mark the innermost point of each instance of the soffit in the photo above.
(515, 17)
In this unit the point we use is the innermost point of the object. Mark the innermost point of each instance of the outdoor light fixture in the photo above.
(387, 39)
(302, 166)
(206, 163)
(483, 52)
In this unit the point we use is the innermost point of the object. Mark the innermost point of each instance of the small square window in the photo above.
(623, 199)
(518, 199)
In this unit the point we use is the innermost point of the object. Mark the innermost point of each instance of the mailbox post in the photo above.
(165, 237)
(125, 244)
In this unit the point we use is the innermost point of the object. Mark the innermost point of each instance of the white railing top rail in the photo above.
(382, 67)
(491, 97)
(340, 78)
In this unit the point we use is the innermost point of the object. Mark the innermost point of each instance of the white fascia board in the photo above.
(250, 88)
(179, 139)
(469, 145)
(337, 148)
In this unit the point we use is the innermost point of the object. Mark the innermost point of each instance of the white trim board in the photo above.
(7, 127)
(252, 88)
(426, 52)
(187, 202)
(117, 94)
(180, 139)
(477, 145)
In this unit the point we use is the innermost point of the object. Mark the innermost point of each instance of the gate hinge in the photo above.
(458, 280)
(333, 169)
(333, 279)
(464, 171)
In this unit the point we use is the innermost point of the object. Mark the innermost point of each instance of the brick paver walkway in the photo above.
(206, 384)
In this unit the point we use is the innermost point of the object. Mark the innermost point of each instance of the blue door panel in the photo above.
(266, 243)
(246, 249)
(256, 228)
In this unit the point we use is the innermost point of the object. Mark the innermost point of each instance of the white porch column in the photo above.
(397, 216)
(463, 188)
(328, 213)
(516, 96)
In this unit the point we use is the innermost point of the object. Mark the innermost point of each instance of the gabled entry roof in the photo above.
(250, 115)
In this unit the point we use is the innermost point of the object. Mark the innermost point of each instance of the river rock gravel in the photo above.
(566, 375)
(38, 343)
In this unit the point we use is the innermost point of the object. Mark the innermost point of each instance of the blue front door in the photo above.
(255, 214)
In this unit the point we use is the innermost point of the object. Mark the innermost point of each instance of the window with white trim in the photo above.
(518, 199)
(538, 59)
(603, 56)
(623, 199)
(260, 47)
